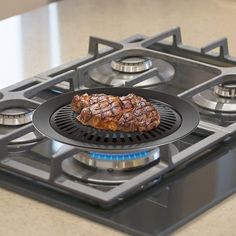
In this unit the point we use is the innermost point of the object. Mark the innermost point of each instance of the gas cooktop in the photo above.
(146, 183)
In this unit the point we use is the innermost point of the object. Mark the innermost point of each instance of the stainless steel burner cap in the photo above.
(226, 90)
(16, 116)
(132, 64)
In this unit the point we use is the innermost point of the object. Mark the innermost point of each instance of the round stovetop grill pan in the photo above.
(56, 120)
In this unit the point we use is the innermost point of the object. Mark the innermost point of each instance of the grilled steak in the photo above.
(127, 113)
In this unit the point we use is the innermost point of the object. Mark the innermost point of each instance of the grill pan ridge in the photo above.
(56, 120)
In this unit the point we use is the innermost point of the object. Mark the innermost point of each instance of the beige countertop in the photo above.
(47, 37)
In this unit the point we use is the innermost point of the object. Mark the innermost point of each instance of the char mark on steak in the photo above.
(127, 113)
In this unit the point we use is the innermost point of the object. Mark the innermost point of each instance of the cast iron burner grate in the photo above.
(64, 122)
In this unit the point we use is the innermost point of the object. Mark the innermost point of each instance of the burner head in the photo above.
(132, 64)
(108, 177)
(118, 161)
(16, 116)
(226, 90)
(106, 75)
(210, 100)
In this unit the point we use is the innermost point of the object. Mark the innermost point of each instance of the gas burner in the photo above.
(79, 171)
(106, 74)
(16, 116)
(132, 64)
(217, 99)
(118, 161)
(98, 177)
(226, 90)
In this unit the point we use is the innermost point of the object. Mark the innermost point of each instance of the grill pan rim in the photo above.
(188, 113)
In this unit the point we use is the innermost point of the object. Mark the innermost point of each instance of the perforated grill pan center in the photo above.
(56, 120)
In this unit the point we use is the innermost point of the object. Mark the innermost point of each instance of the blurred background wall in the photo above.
(13, 7)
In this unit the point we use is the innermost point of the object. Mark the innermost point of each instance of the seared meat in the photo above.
(128, 113)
